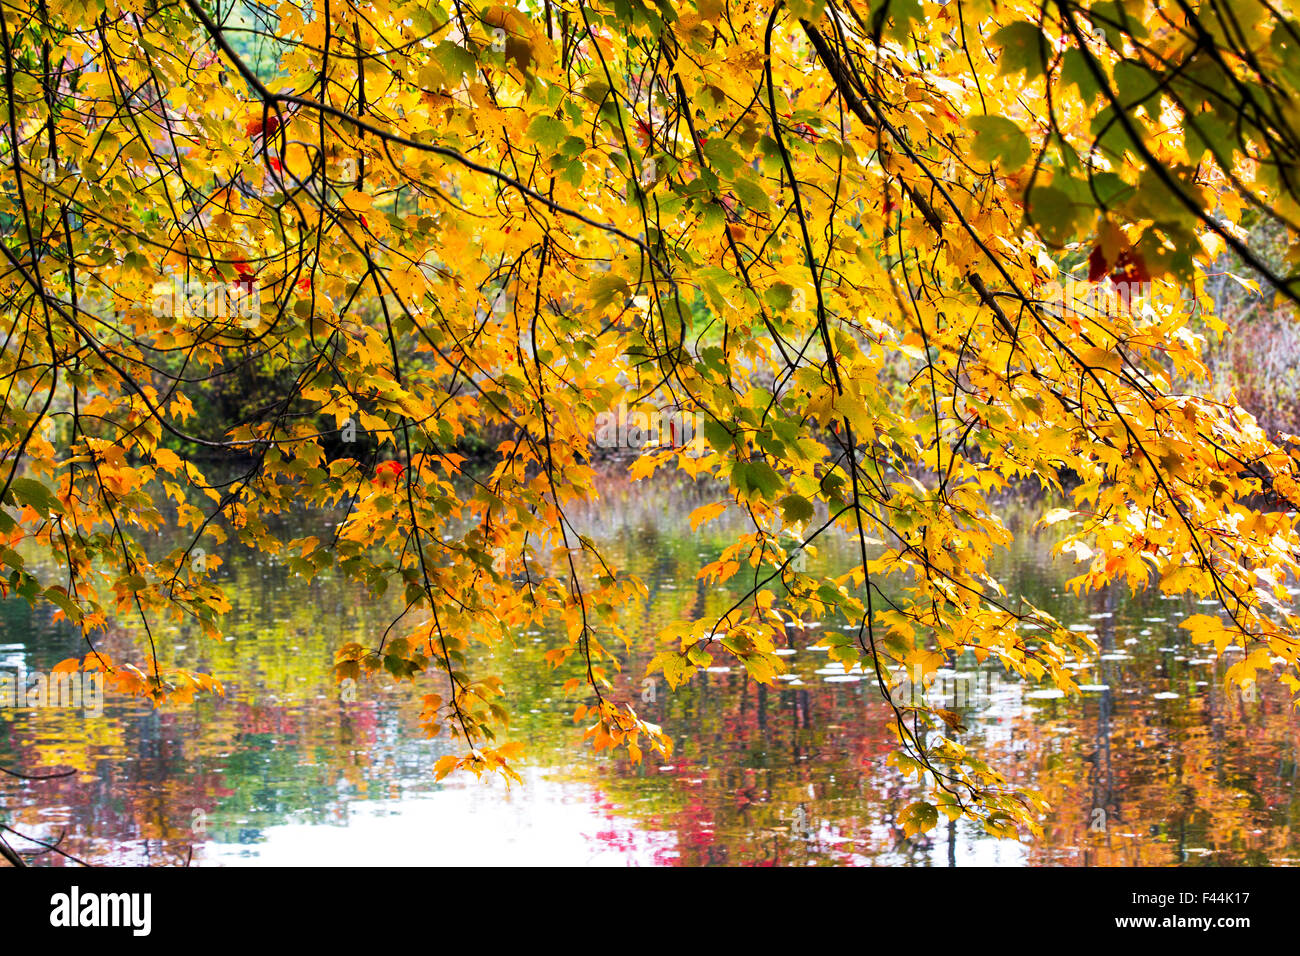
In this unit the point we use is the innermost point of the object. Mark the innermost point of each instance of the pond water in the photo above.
(1154, 764)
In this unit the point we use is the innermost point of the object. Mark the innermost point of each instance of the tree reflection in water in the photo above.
(1152, 765)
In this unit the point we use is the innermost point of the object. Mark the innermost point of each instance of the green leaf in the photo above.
(796, 508)
(455, 61)
(1111, 17)
(698, 656)
(716, 434)
(997, 139)
(723, 156)
(756, 479)
(1075, 70)
(548, 132)
(1024, 50)
(779, 295)
(607, 289)
(677, 669)
(1111, 135)
(1136, 86)
(27, 491)
(901, 14)
(751, 193)
(1054, 214)
(918, 817)
(400, 667)
(59, 597)
(1109, 188)
(1001, 825)
(1207, 130)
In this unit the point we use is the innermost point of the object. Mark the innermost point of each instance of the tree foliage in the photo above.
(426, 221)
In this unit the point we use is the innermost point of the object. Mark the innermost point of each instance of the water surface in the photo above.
(1154, 764)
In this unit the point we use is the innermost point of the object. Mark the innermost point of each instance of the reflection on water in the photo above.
(1154, 764)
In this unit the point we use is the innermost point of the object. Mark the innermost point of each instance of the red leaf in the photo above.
(255, 127)
(1131, 268)
(1097, 265)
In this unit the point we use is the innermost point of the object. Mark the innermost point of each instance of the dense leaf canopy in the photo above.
(877, 261)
